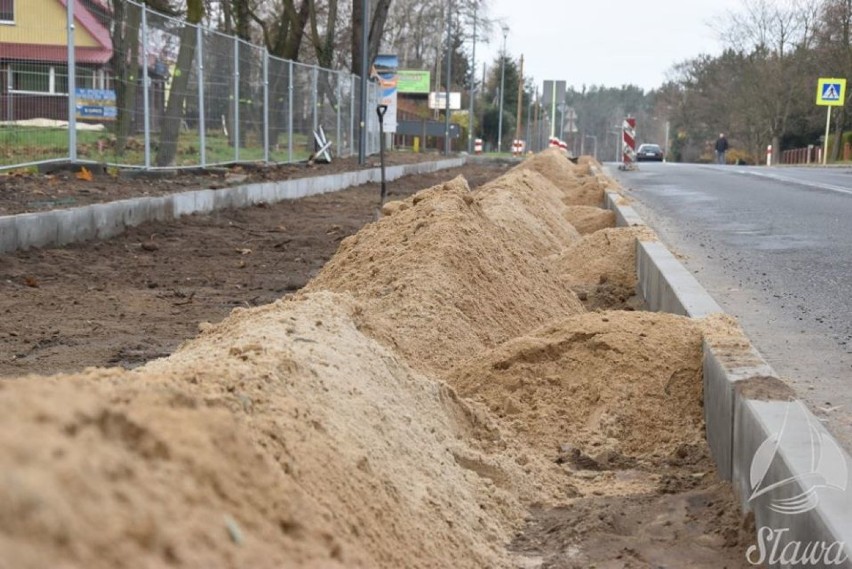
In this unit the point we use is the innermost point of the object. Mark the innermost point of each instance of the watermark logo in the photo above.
(822, 468)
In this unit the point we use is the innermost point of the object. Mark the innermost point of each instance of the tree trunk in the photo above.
(377, 26)
(172, 117)
(125, 39)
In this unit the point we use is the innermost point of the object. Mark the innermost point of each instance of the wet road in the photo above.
(774, 248)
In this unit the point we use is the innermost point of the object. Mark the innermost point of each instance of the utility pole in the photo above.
(502, 84)
(365, 46)
(520, 98)
(449, 77)
(470, 120)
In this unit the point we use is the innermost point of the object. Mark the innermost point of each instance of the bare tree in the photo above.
(776, 38)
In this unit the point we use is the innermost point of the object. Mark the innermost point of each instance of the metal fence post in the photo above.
(314, 98)
(266, 106)
(199, 72)
(236, 99)
(146, 111)
(290, 114)
(72, 84)
(337, 78)
(351, 113)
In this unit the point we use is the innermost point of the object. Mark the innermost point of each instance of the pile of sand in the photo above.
(287, 436)
(628, 382)
(588, 219)
(605, 256)
(529, 207)
(578, 185)
(439, 280)
(282, 437)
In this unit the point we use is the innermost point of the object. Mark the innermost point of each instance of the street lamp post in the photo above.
(449, 78)
(472, 84)
(502, 84)
(365, 56)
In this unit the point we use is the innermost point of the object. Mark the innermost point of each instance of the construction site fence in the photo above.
(99, 91)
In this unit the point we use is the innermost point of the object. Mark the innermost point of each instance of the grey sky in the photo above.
(608, 42)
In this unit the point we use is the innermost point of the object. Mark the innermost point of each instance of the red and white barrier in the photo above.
(477, 146)
(518, 147)
(628, 142)
(769, 155)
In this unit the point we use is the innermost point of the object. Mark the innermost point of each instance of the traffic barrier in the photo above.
(518, 147)
(628, 144)
(477, 146)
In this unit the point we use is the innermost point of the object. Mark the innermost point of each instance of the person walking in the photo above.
(721, 148)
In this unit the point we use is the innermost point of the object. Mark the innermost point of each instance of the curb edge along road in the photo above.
(804, 514)
(104, 220)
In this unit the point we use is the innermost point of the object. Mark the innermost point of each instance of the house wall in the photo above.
(42, 22)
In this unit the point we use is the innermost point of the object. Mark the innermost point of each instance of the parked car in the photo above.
(649, 152)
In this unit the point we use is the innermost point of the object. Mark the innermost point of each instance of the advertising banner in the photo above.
(384, 72)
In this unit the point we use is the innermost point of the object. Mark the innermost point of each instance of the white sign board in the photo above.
(439, 101)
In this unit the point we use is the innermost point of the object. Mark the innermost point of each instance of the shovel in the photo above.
(381, 110)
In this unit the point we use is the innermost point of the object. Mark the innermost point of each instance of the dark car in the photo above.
(649, 152)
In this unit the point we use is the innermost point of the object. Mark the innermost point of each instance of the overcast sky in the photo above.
(604, 42)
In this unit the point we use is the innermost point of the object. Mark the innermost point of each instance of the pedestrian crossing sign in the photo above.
(831, 92)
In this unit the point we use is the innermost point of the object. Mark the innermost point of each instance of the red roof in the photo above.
(92, 25)
(55, 53)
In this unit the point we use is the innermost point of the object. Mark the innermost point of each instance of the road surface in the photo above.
(773, 246)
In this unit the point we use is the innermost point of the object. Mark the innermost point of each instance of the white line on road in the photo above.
(811, 184)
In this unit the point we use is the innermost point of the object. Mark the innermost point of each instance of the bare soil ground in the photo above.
(26, 191)
(138, 296)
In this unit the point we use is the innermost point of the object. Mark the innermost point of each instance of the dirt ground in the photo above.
(28, 190)
(138, 296)
(321, 445)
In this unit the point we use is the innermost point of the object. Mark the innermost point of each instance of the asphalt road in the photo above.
(773, 246)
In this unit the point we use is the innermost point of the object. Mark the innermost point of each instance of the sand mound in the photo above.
(625, 382)
(438, 280)
(530, 208)
(588, 219)
(605, 256)
(578, 186)
(586, 159)
(282, 437)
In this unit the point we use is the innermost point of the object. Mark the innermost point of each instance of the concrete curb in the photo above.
(102, 221)
(746, 405)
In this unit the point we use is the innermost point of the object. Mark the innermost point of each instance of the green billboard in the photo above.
(413, 81)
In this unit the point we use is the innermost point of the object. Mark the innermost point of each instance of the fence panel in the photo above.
(250, 90)
(151, 91)
(172, 93)
(303, 111)
(279, 109)
(217, 88)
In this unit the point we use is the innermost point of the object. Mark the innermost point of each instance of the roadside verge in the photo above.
(102, 221)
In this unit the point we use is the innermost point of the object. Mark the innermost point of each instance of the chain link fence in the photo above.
(130, 87)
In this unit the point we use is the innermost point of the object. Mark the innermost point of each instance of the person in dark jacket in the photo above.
(721, 148)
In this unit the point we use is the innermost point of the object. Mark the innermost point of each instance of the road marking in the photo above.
(818, 185)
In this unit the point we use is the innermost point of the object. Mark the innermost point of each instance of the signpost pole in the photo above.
(831, 92)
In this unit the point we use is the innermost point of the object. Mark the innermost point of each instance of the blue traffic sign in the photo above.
(831, 92)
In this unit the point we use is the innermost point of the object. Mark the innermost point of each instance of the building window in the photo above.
(7, 11)
(39, 78)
